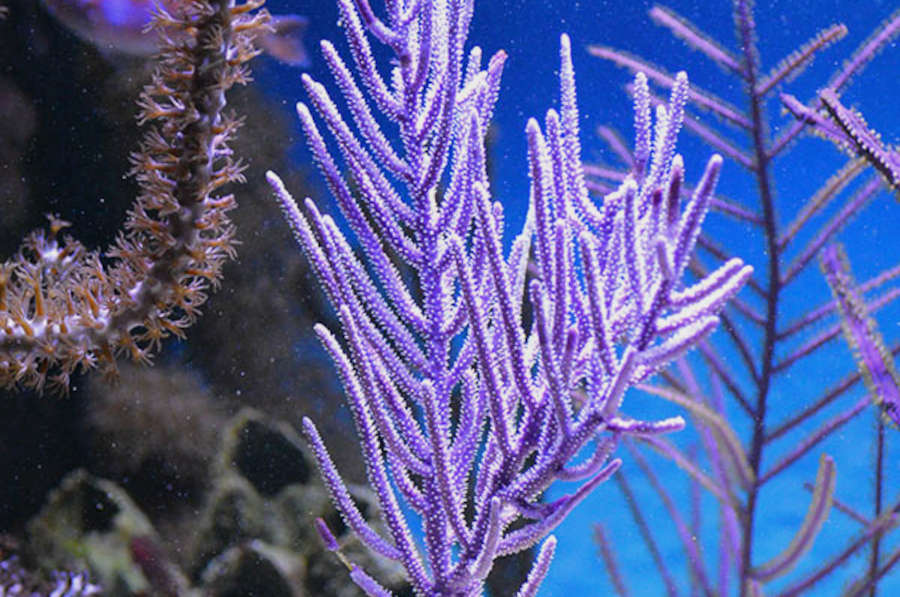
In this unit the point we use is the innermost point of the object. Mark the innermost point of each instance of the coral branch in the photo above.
(62, 309)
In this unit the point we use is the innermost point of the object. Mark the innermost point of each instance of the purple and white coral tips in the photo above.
(695, 212)
(368, 584)
(540, 569)
(326, 535)
(863, 140)
(643, 125)
(873, 358)
(341, 496)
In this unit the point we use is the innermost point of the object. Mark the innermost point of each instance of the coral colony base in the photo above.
(469, 399)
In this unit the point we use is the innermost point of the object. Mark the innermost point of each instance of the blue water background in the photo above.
(529, 32)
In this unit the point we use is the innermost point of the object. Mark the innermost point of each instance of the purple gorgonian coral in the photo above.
(758, 428)
(874, 360)
(847, 129)
(469, 403)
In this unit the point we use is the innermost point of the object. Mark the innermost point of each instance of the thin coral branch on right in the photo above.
(847, 129)
(748, 451)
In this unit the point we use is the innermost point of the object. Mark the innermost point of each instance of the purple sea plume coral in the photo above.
(874, 360)
(847, 129)
(467, 406)
(752, 450)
